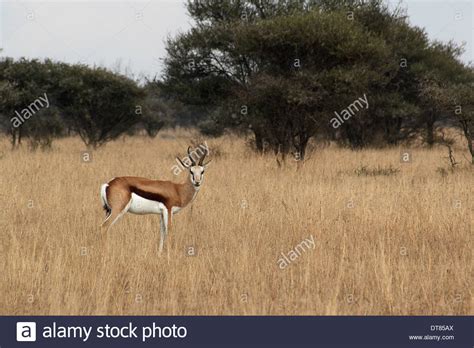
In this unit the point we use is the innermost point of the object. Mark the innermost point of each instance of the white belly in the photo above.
(140, 205)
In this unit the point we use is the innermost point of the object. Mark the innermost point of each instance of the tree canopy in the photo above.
(285, 69)
(94, 103)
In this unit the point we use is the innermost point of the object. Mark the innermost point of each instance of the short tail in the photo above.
(103, 196)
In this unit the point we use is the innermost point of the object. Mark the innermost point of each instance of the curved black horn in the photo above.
(206, 152)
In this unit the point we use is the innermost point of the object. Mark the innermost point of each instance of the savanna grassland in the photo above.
(386, 241)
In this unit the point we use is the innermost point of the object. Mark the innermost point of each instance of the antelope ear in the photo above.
(207, 164)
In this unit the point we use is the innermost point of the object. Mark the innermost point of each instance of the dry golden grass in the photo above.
(403, 248)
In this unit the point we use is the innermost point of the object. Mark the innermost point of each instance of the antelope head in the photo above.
(196, 169)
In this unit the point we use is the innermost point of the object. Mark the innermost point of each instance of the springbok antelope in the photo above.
(145, 196)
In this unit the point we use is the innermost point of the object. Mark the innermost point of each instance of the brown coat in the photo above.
(166, 192)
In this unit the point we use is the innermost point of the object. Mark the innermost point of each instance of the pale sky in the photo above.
(132, 33)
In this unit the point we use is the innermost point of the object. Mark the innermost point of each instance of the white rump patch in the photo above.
(103, 195)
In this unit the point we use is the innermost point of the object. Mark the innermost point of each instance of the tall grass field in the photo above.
(389, 237)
